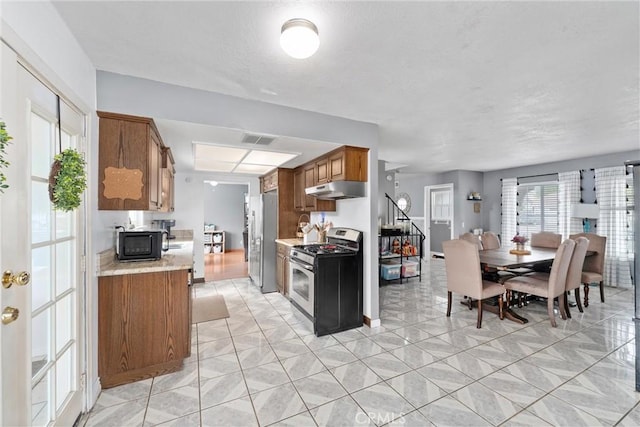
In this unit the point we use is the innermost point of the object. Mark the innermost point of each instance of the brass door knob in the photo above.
(20, 279)
(9, 314)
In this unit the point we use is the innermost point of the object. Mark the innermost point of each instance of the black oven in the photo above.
(139, 245)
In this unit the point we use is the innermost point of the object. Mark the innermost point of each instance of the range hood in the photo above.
(337, 190)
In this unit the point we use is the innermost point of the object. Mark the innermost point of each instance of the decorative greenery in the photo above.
(5, 139)
(69, 180)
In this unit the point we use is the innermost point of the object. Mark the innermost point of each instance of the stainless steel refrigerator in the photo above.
(634, 168)
(263, 226)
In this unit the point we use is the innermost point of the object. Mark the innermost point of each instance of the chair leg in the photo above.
(449, 304)
(552, 316)
(500, 307)
(479, 325)
(578, 303)
(470, 303)
(562, 300)
(566, 306)
(601, 291)
(586, 295)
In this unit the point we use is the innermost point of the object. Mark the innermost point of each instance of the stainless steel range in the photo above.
(326, 281)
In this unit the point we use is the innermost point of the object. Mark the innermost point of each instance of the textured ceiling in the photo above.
(452, 85)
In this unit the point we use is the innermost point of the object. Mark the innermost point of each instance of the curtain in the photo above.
(568, 195)
(611, 193)
(509, 208)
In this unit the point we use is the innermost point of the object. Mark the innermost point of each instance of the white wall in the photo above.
(38, 34)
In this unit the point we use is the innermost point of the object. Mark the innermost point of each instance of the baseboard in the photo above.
(371, 323)
(198, 280)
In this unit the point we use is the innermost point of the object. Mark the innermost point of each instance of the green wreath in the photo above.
(5, 139)
(67, 180)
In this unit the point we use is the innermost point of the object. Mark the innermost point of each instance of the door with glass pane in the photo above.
(46, 386)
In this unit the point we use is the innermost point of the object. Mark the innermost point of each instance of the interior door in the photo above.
(42, 349)
(438, 211)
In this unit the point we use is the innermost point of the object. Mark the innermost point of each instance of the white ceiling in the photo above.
(452, 85)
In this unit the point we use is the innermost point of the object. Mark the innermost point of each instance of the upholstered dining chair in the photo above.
(472, 238)
(464, 276)
(490, 240)
(574, 274)
(550, 287)
(593, 268)
(545, 239)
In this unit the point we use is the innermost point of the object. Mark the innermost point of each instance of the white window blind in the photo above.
(568, 195)
(509, 208)
(537, 208)
(440, 205)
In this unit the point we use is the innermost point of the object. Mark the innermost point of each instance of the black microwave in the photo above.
(139, 245)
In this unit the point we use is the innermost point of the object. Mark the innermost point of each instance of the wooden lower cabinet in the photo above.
(282, 268)
(144, 325)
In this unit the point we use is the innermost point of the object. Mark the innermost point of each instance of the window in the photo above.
(537, 207)
(441, 205)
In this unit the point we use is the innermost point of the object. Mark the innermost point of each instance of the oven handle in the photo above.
(305, 266)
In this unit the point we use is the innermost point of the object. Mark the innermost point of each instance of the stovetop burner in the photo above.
(320, 249)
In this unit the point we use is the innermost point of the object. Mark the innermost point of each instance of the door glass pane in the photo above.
(64, 321)
(40, 402)
(65, 266)
(64, 376)
(40, 341)
(42, 144)
(40, 212)
(41, 276)
(64, 224)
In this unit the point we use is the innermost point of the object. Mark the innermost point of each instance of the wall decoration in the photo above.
(67, 180)
(5, 139)
(122, 183)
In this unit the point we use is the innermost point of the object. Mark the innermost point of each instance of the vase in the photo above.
(520, 246)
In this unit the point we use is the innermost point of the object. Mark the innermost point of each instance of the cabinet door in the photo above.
(280, 273)
(166, 204)
(155, 172)
(322, 171)
(298, 189)
(336, 167)
(309, 181)
(285, 279)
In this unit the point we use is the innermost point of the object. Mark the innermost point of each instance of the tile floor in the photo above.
(263, 366)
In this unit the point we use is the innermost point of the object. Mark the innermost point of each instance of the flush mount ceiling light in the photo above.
(299, 38)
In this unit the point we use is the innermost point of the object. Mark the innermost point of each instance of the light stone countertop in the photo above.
(289, 242)
(174, 259)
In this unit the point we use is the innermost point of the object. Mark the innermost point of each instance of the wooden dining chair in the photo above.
(464, 276)
(593, 268)
(551, 287)
(574, 274)
(490, 240)
(472, 238)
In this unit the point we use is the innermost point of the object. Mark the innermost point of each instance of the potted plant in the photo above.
(5, 139)
(67, 180)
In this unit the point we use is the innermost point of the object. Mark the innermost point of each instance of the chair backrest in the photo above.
(546, 239)
(597, 244)
(577, 260)
(490, 240)
(462, 263)
(560, 267)
(472, 238)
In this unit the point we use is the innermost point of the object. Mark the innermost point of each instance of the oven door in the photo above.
(301, 285)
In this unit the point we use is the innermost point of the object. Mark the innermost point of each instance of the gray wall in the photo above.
(489, 185)
(493, 186)
(385, 186)
(224, 207)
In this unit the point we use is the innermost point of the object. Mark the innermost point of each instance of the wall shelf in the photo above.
(215, 241)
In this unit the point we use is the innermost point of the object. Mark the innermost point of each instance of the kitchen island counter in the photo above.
(176, 258)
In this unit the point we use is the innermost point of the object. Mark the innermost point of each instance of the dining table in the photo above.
(503, 258)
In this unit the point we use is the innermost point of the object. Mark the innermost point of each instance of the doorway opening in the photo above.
(225, 230)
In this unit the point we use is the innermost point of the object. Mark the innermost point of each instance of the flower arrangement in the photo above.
(520, 240)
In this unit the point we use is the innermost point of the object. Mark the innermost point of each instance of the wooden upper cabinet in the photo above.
(130, 159)
(343, 164)
(269, 182)
(167, 190)
(298, 189)
(311, 203)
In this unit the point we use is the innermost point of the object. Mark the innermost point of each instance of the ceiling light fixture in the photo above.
(299, 38)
